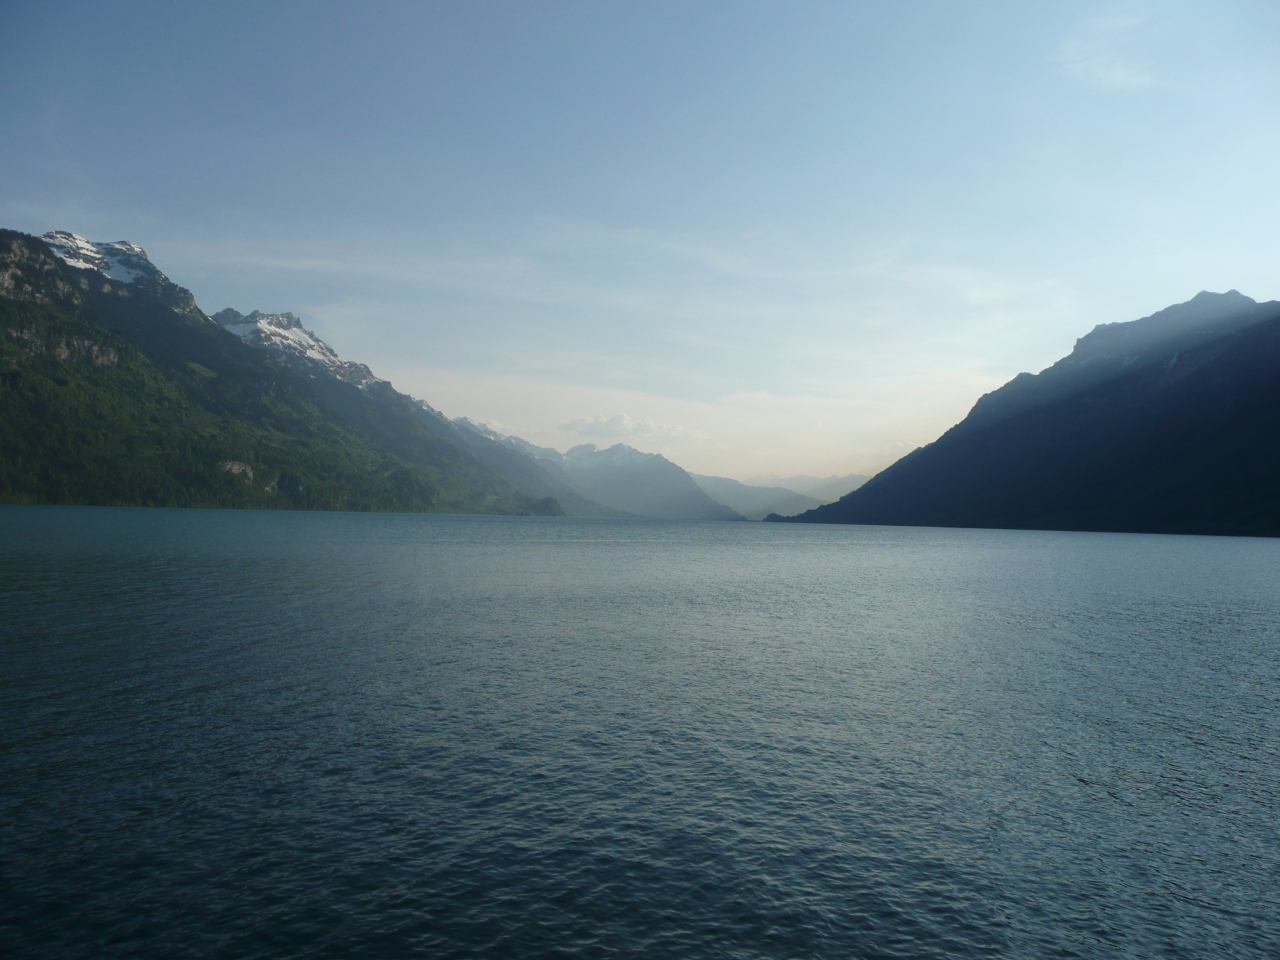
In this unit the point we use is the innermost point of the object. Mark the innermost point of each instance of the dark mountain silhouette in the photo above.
(1169, 424)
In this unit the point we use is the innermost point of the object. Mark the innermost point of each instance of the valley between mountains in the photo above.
(117, 389)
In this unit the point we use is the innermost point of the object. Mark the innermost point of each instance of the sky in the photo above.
(757, 238)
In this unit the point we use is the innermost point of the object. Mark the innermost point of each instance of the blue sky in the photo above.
(758, 238)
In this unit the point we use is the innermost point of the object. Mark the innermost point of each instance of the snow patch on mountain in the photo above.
(515, 443)
(122, 261)
(128, 265)
(280, 333)
(284, 335)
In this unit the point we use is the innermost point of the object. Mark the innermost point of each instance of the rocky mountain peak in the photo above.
(122, 261)
(1203, 317)
(284, 335)
(1110, 350)
(125, 263)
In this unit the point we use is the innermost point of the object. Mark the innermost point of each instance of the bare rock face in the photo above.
(29, 273)
(79, 348)
(238, 468)
(66, 350)
(122, 266)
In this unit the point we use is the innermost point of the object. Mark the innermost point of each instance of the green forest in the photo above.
(110, 396)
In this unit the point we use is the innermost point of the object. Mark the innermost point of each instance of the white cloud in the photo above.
(1101, 55)
(620, 425)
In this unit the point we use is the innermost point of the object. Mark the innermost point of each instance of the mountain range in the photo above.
(624, 480)
(116, 388)
(1167, 424)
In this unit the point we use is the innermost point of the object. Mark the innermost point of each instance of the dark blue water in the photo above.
(264, 734)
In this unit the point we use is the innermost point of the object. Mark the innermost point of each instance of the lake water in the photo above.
(239, 734)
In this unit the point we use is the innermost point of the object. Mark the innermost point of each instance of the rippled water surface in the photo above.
(267, 734)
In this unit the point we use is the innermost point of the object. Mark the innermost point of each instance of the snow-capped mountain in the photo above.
(122, 260)
(285, 336)
(620, 479)
(281, 333)
(125, 263)
(143, 399)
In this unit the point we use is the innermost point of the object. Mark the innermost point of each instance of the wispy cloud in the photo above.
(620, 425)
(1100, 54)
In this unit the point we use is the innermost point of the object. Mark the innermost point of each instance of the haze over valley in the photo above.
(1164, 424)
(684, 481)
(206, 369)
(755, 244)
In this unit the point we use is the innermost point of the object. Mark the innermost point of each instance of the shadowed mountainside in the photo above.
(1169, 424)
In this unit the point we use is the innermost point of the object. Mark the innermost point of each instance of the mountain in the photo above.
(822, 489)
(284, 336)
(115, 388)
(539, 475)
(123, 268)
(293, 344)
(647, 484)
(621, 478)
(755, 503)
(1168, 424)
(1110, 350)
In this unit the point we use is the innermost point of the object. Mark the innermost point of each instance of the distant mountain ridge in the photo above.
(1168, 424)
(755, 503)
(822, 489)
(284, 335)
(621, 478)
(118, 389)
(647, 484)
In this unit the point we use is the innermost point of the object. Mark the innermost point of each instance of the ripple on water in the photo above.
(249, 734)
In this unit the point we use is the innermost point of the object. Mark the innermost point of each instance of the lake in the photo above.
(240, 734)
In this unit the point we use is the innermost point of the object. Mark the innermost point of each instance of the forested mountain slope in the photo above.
(116, 389)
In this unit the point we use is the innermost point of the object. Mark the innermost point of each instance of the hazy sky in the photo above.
(758, 238)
